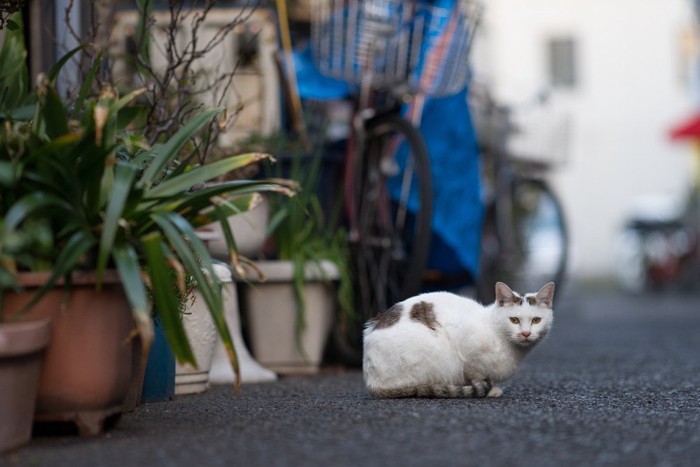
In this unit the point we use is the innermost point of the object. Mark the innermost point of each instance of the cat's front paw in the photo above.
(495, 392)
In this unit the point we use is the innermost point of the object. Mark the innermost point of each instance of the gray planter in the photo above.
(271, 311)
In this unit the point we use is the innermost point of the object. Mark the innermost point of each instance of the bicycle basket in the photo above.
(391, 42)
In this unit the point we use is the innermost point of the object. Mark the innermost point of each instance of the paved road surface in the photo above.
(617, 383)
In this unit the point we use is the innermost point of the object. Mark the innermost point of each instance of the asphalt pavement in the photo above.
(617, 383)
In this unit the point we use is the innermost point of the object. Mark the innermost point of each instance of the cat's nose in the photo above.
(525, 333)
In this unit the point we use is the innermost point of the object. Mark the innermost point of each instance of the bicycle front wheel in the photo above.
(392, 198)
(525, 244)
(390, 224)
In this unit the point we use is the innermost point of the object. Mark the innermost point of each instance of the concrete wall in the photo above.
(633, 85)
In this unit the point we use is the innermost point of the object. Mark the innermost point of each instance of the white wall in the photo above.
(631, 90)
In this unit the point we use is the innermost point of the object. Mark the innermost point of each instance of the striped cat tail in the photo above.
(437, 391)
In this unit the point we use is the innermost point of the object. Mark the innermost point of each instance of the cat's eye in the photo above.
(536, 320)
(515, 320)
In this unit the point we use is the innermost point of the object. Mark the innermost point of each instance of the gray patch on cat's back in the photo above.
(388, 318)
(424, 312)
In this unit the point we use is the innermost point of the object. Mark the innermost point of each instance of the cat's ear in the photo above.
(504, 296)
(545, 297)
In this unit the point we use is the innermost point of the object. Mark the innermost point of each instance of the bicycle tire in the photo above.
(390, 246)
(540, 251)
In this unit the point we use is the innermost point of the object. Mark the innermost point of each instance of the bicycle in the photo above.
(376, 45)
(524, 234)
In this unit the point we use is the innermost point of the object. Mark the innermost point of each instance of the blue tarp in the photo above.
(449, 134)
(311, 83)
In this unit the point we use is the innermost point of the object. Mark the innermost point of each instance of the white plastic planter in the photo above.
(249, 231)
(202, 335)
(271, 311)
(221, 371)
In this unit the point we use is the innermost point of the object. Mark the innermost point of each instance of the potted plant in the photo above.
(291, 313)
(21, 343)
(21, 346)
(123, 216)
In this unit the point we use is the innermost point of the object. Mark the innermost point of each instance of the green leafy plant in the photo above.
(7, 8)
(14, 75)
(299, 228)
(104, 199)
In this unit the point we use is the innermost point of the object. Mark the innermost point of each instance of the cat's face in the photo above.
(525, 319)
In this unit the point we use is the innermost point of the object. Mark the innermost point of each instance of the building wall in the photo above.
(632, 87)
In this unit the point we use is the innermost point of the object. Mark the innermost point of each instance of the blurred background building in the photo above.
(615, 77)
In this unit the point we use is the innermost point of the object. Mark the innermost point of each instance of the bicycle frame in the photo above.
(506, 250)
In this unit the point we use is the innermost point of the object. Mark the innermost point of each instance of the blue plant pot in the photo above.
(159, 381)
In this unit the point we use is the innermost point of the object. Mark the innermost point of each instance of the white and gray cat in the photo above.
(443, 345)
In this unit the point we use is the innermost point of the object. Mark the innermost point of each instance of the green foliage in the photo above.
(90, 194)
(14, 75)
(301, 232)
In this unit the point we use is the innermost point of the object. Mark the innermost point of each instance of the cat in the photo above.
(444, 345)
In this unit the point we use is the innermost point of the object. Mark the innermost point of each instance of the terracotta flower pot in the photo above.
(21, 352)
(88, 364)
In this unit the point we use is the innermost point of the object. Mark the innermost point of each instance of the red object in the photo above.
(689, 129)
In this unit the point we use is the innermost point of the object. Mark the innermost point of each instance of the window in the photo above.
(562, 62)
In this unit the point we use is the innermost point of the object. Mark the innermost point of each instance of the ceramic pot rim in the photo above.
(24, 337)
(37, 279)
